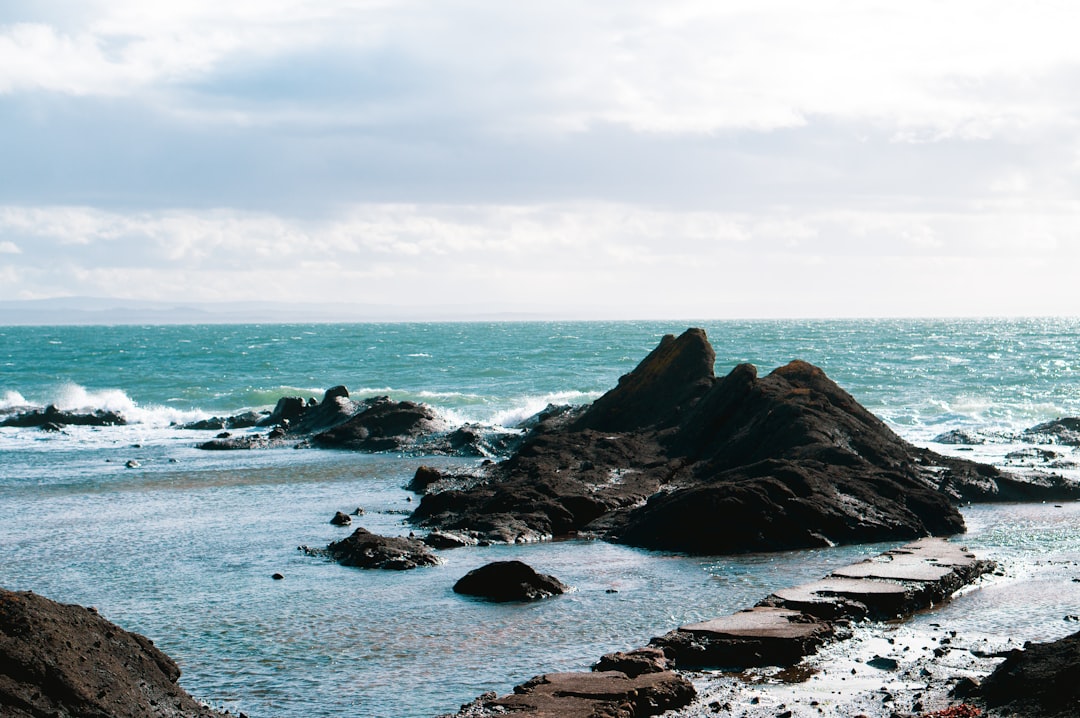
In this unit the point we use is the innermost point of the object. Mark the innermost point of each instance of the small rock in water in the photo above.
(278, 576)
(509, 581)
(341, 519)
(359, 511)
(132, 464)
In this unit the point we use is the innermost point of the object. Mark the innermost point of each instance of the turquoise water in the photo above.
(182, 548)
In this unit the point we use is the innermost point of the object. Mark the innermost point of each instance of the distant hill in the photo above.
(99, 310)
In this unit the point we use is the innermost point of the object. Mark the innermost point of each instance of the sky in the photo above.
(626, 159)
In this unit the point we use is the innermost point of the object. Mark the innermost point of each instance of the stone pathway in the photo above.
(781, 630)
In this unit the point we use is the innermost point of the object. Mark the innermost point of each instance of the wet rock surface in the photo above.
(609, 694)
(1042, 680)
(779, 633)
(505, 581)
(374, 424)
(65, 660)
(676, 458)
(52, 418)
(364, 549)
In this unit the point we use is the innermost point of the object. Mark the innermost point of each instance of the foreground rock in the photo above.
(364, 549)
(65, 660)
(1043, 680)
(676, 458)
(509, 581)
(608, 694)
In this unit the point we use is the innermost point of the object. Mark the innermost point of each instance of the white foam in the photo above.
(12, 399)
(532, 405)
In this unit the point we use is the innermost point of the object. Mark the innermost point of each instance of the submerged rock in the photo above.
(509, 581)
(676, 458)
(65, 660)
(364, 549)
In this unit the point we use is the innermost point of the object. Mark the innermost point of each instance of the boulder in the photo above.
(341, 519)
(424, 477)
(364, 549)
(383, 425)
(1041, 681)
(66, 660)
(1065, 430)
(509, 581)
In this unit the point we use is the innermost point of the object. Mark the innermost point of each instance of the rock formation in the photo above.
(364, 549)
(51, 417)
(676, 458)
(1041, 681)
(65, 660)
(509, 581)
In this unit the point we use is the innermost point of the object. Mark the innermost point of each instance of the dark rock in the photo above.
(1042, 680)
(364, 549)
(675, 458)
(50, 427)
(1059, 431)
(759, 636)
(447, 540)
(883, 664)
(656, 393)
(384, 425)
(65, 660)
(341, 519)
(214, 423)
(958, 437)
(610, 694)
(636, 662)
(287, 410)
(424, 477)
(508, 581)
(51, 415)
(278, 576)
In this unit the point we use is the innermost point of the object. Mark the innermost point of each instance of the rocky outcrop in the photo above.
(504, 581)
(66, 660)
(1065, 430)
(1041, 681)
(676, 458)
(50, 416)
(373, 424)
(382, 425)
(364, 549)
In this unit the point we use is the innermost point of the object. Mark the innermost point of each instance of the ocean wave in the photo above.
(11, 400)
(532, 405)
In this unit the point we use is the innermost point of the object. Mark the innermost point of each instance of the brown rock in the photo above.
(59, 659)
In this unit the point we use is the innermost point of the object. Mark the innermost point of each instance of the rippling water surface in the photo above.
(182, 548)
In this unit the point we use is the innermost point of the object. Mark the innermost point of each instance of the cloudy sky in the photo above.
(603, 159)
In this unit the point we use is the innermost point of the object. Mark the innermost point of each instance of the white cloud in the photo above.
(598, 257)
(9, 248)
(927, 71)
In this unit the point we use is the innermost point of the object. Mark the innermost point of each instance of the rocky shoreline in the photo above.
(779, 632)
(674, 458)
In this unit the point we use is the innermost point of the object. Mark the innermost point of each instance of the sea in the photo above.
(181, 544)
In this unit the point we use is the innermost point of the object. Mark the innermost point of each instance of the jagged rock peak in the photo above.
(666, 382)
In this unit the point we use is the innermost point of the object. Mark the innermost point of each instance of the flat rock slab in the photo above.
(852, 598)
(763, 623)
(929, 560)
(608, 694)
(760, 636)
